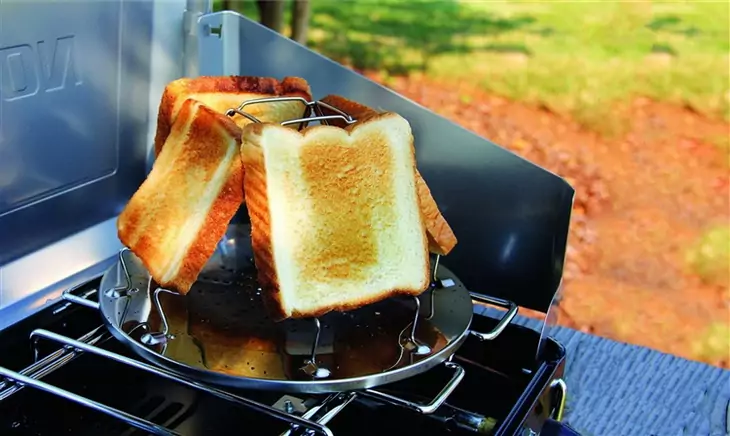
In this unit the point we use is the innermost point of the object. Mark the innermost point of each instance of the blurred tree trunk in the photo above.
(300, 21)
(227, 5)
(271, 13)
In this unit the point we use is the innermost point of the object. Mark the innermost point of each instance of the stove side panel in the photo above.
(79, 87)
(65, 144)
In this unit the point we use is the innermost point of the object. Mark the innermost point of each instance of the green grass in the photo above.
(709, 258)
(714, 343)
(579, 58)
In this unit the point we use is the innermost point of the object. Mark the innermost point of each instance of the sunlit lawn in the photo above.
(575, 58)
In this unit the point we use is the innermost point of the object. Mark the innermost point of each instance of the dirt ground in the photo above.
(642, 198)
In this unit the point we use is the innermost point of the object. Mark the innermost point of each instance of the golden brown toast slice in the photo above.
(228, 92)
(335, 217)
(441, 239)
(177, 216)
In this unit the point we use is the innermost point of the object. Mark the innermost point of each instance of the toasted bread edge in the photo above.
(225, 206)
(127, 219)
(222, 210)
(289, 86)
(257, 203)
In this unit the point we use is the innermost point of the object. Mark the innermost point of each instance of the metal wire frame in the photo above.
(12, 382)
(312, 422)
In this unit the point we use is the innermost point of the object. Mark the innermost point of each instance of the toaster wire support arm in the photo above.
(312, 111)
(159, 338)
(502, 324)
(147, 338)
(511, 307)
(311, 367)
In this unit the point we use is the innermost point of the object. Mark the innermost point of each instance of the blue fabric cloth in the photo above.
(617, 389)
(555, 428)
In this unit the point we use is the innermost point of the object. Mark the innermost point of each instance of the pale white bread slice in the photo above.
(335, 216)
(180, 212)
(441, 239)
(228, 92)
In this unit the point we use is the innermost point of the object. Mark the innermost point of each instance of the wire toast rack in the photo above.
(410, 345)
(312, 111)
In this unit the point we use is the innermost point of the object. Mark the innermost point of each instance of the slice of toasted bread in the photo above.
(441, 239)
(228, 92)
(335, 217)
(177, 216)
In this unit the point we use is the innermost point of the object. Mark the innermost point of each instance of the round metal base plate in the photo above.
(219, 332)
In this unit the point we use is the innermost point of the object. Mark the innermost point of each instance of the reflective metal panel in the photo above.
(80, 83)
(74, 88)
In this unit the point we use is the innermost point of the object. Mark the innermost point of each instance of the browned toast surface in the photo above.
(180, 212)
(348, 177)
(441, 238)
(228, 92)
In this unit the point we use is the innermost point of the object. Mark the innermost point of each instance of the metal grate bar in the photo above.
(342, 401)
(53, 361)
(116, 413)
(434, 404)
(82, 299)
(268, 410)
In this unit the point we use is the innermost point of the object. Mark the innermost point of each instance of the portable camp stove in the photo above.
(117, 355)
(217, 349)
(99, 385)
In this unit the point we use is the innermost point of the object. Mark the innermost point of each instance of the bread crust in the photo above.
(441, 238)
(154, 214)
(181, 88)
(257, 204)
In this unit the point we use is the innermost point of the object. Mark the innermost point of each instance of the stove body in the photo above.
(78, 103)
(505, 391)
